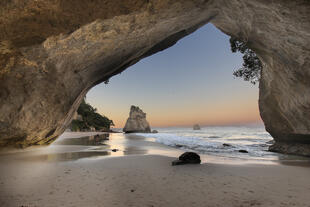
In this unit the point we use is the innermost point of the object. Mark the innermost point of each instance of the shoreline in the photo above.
(126, 145)
(70, 172)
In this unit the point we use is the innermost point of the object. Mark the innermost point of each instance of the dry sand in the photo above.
(150, 180)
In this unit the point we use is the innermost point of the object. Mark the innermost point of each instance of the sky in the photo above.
(190, 82)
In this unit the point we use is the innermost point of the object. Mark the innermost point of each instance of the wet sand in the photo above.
(61, 175)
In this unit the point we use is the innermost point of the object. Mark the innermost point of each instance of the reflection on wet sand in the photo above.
(73, 149)
(94, 140)
(99, 146)
(134, 150)
(95, 146)
(66, 156)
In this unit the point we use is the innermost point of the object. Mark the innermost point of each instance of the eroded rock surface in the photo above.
(137, 121)
(53, 51)
(291, 148)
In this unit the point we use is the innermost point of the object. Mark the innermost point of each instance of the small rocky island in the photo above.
(196, 127)
(137, 121)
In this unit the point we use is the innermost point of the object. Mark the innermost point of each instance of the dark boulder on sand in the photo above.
(187, 158)
(243, 151)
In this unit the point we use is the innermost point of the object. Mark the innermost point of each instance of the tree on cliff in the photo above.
(251, 67)
(90, 118)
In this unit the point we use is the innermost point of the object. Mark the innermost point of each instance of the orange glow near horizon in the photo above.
(211, 119)
(233, 113)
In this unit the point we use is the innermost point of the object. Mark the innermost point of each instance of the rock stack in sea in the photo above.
(196, 127)
(137, 121)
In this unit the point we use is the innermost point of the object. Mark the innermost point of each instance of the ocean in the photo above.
(224, 141)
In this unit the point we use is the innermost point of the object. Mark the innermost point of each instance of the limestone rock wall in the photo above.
(279, 33)
(53, 51)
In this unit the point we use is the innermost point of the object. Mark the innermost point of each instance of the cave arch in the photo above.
(52, 52)
(190, 82)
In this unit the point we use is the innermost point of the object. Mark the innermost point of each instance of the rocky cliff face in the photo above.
(136, 121)
(278, 33)
(53, 51)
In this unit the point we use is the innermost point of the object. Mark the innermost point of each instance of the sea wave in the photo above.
(184, 141)
(255, 146)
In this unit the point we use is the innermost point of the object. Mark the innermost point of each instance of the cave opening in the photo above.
(190, 82)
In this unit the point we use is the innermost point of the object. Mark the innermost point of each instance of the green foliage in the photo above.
(251, 67)
(90, 119)
(77, 125)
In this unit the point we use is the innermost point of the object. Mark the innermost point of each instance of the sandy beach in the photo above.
(155, 103)
(146, 179)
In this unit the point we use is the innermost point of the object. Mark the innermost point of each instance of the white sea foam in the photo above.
(185, 141)
(210, 140)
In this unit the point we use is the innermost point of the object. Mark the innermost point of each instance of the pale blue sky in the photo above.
(188, 83)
